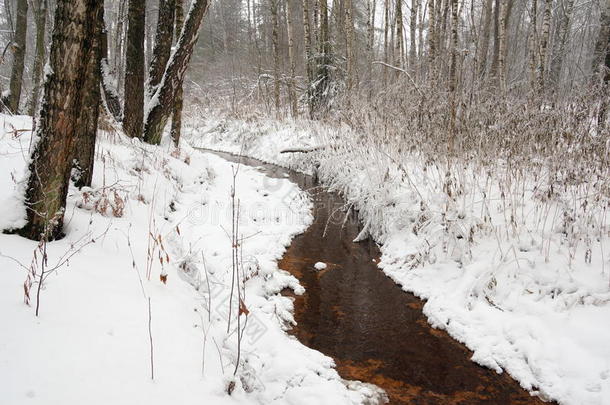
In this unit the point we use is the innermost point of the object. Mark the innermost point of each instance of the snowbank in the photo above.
(145, 268)
(514, 266)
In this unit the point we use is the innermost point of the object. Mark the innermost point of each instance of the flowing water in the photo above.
(375, 331)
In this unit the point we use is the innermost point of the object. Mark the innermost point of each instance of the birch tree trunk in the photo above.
(493, 72)
(371, 8)
(504, 13)
(40, 15)
(398, 54)
(484, 38)
(309, 63)
(111, 98)
(291, 57)
(601, 56)
(134, 69)
(162, 102)
(349, 45)
(432, 41)
(178, 104)
(559, 47)
(544, 43)
(276, 55)
(19, 44)
(533, 45)
(412, 34)
(51, 163)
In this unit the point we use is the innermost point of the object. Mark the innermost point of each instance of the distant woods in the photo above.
(331, 53)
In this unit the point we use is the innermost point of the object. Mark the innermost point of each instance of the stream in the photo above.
(375, 331)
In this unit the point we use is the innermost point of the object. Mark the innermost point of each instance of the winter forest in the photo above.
(305, 202)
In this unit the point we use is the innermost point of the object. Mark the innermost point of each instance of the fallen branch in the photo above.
(304, 149)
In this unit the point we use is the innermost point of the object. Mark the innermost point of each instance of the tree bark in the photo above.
(40, 14)
(178, 104)
(276, 55)
(134, 69)
(601, 56)
(112, 100)
(308, 54)
(398, 56)
(51, 163)
(86, 124)
(321, 91)
(493, 71)
(291, 58)
(163, 43)
(349, 45)
(432, 41)
(484, 38)
(533, 45)
(162, 101)
(19, 44)
(559, 47)
(412, 34)
(544, 43)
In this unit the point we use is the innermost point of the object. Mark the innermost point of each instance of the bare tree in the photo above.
(162, 101)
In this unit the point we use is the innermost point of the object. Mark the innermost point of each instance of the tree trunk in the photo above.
(386, 47)
(484, 37)
(432, 41)
(49, 170)
(276, 55)
(291, 58)
(86, 124)
(308, 53)
(322, 89)
(112, 100)
(544, 43)
(134, 69)
(39, 58)
(177, 113)
(371, 7)
(163, 43)
(19, 44)
(398, 57)
(496, 49)
(559, 47)
(533, 44)
(601, 56)
(412, 34)
(349, 45)
(504, 13)
(162, 101)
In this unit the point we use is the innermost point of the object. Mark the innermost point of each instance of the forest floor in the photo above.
(136, 298)
(531, 299)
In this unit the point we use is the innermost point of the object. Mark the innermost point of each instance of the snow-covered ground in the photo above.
(516, 270)
(142, 283)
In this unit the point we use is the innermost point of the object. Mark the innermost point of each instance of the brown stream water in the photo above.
(375, 331)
